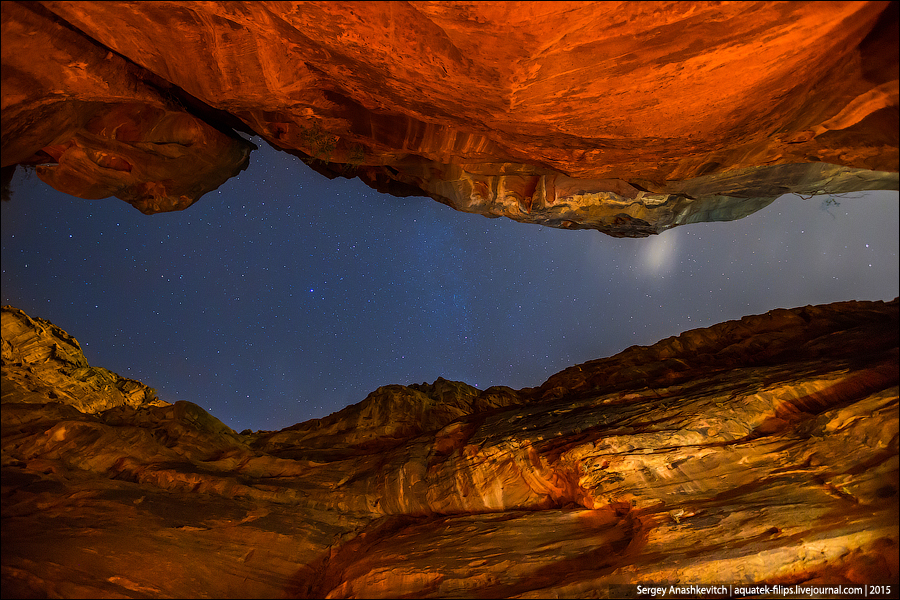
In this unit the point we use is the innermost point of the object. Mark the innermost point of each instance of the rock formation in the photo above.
(630, 118)
(104, 130)
(763, 450)
(48, 363)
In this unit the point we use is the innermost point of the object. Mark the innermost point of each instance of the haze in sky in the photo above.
(284, 296)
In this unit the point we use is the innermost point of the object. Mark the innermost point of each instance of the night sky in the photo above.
(284, 296)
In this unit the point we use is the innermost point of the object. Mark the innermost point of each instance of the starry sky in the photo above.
(284, 296)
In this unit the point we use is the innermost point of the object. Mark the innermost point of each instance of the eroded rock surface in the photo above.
(42, 361)
(96, 125)
(761, 450)
(629, 118)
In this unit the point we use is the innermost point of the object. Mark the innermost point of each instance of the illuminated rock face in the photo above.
(628, 118)
(762, 450)
(42, 361)
(97, 127)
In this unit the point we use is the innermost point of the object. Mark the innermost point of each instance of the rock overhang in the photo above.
(630, 119)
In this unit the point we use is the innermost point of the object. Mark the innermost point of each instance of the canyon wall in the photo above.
(763, 450)
(629, 118)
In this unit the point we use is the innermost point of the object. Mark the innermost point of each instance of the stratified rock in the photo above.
(763, 450)
(41, 362)
(630, 118)
(96, 126)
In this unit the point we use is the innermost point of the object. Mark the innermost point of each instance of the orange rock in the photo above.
(628, 118)
(770, 457)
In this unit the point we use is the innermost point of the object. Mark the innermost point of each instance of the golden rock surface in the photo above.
(763, 450)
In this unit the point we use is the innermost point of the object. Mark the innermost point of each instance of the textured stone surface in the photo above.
(762, 450)
(42, 361)
(630, 118)
(99, 128)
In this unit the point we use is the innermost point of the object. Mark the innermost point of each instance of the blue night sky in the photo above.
(284, 296)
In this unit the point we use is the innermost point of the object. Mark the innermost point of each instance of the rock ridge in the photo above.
(758, 450)
(41, 362)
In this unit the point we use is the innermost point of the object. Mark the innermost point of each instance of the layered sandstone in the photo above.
(763, 450)
(98, 129)
(42, 361)
(630, 118)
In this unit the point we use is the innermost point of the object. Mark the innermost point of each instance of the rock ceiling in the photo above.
(630, 118)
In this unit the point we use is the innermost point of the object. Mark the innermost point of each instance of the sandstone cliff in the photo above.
(630, 118)
(761, 450)
(42, 361)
